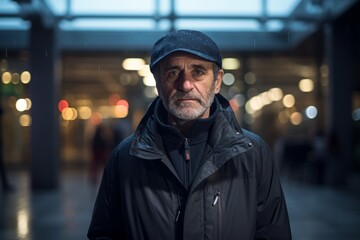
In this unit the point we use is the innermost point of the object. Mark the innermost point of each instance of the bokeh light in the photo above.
(288, 100)
(25, 120)
(28, 103)
(228, 79)
(62, 105)
(113, 98)
(15, 78)
(250, 78)
(306, 85)
(21, 104)
(149, 81)
(296, 118)
(69, 114)
(311, 112)
(122, 102)
(85, 112)
(96, 118)
(283, 117)
(239, 99)
(133, 64)
(6, 77)
(25, 77)
(356, 114)
(121, 111)
(275, 94)
(230, 63)
(144, 71)
(265, 98)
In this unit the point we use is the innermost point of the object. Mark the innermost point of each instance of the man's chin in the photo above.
(186, 114)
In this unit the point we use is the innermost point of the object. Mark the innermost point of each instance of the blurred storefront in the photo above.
(288, 77)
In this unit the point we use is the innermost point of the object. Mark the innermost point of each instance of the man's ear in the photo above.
(158, 85)
(218, 81)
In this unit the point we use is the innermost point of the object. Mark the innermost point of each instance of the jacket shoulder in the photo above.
(124, 144)
(256, 139)
(121, 151)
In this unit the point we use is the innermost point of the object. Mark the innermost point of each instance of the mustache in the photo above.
(181, 95)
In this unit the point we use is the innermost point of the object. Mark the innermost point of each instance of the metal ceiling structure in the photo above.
(81, 75)
(304, 19)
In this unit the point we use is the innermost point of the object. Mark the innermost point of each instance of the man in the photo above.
(189, 171)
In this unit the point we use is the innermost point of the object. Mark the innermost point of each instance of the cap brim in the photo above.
(196, 53)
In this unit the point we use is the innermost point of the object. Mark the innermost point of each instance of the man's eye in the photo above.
(198, 72)
(173, 74)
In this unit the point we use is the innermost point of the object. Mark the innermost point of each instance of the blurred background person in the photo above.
(102, 144)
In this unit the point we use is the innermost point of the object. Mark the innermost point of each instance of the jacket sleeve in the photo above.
(272, 216)
(106, 222)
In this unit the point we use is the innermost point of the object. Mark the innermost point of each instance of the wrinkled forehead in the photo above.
(181, 58)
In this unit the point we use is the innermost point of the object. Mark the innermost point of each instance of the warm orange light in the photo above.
(85, 112)
(234, 105)
(96, 118)
(6, 77)
(69, 114)
(25, 120)
(289, 100)
(25, 77)
(296, 118)
(121, 111)
(113, 99)
(123, 102)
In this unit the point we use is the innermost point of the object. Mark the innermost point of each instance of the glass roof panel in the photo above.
(112, 7)
(164, 7)
(274, 25)
(182, 7)
(107, 24)
(201, 14)
(223, 25)
(216, 7)
(58, 7)
(14, 24)
(98, 7)
(8, 6)
(281, 7)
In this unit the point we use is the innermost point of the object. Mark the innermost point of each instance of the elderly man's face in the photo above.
(187, 85)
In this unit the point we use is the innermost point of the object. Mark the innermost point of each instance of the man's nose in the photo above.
(185, 82)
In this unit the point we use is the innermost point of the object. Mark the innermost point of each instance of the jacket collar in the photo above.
(199, 130)
(226, 139)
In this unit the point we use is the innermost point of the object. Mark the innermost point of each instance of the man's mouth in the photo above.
(187, 100)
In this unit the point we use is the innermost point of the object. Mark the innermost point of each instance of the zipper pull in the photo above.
(177, 215)
(187, 150)
(216, 199)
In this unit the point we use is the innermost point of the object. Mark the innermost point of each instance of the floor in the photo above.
(316, 212)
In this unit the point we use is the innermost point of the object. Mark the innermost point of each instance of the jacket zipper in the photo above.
(178, 215)
(179, 208)
(218, 208)
(216, 198)
(187, 162)
(178, 224)
(187, 149)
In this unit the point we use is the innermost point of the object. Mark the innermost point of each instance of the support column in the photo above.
(44, 163)
(340, 59)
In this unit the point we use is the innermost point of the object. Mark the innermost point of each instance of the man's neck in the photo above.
(183, 126)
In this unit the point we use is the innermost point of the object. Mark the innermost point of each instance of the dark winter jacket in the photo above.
(236, 193)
